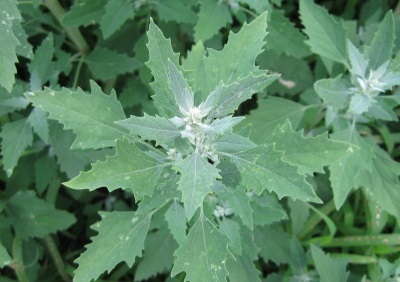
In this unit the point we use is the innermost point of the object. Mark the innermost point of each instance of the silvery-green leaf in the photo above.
(360, 103)
(358, 63)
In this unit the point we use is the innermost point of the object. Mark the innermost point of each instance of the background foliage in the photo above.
(327, 125)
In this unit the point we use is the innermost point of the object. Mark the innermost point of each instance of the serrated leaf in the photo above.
(9, 104)
(267, 210)
(327, 36)
(263, 168)
(184, 96)
(45, 169)
(197, 176)
(41, 67)
(34, 217)
(8, 56)
(158, 255)
(176, 10)
(329, 269)
(5, 258)
(222, 125)
(106, 64)
(151, 128)
(130, 168)
(344, 172)
(309, 154)
(16, 137)
(236, 60)
(37, 119)
(270, 113)
(232, 143)
(210, 249)
(84, 13)
(80, 112)
(231, 230)
(176, 219)
(120, 238)
(213, 15)
(381, 47)
(160, 52)
(360, 103)
(117, 12)
(240, 203)
(334, 92)
(283, 37)
(357, 61)
(224, 100)
(25, 48)
(242, 269)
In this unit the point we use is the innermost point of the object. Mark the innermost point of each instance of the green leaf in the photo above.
(117, 12)
(130, 168)
(272, 112)
(34, 217)
(360, 103)
(263, 165)
(236, 60)
(184, 96)
(242, 268)
(9, 104)
(151, 128)
(327, 36)
(231, 229)
(329, 269)
(158, 255)
(213, 15)
(106, 64)
(240, 203)
(176, 219)
(41, 67)
(160, 52)
(121, 238)
(16, 137)
(80, 112)
(45, 169)
(334, 92)
(344, 172)
(232, 143)
(5, 258)
(203, 253)
(8, 56)
(176, 11)
(37, 119)
(309, 154)
(381, 47)
(357, 61)
(84, 13)
(267, 210)
(25, 48)
(224, 100)
(197, 176)
(283, 37)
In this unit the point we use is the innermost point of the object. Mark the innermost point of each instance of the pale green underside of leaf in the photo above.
(130, 168)
(160, 52)
(155, 128)
(309, 154)
(233, 143)
(197, 176)
(84, 13)
(8, 56)
(343, 172)
(158, 255)
(121, 238)
(117, 12)
(213, 15)
(236, 60)
(272, 112)
(5, 258)
(80, 112)
(106, 64)
(334, 92)
(16, 137)
(380, 49)
(203, 254)
(34, 217)
(183, 95)
(176, 218)
(329, 269)
(327, 37)
(262, 168)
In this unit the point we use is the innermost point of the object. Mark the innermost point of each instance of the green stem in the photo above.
(19, 267)
(78, 71)
(58, 11)
(55, 254)
(364, 240)
(251, 13)
(315, 219)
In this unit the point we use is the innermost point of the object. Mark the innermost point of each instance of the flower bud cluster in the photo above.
(223, 211)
